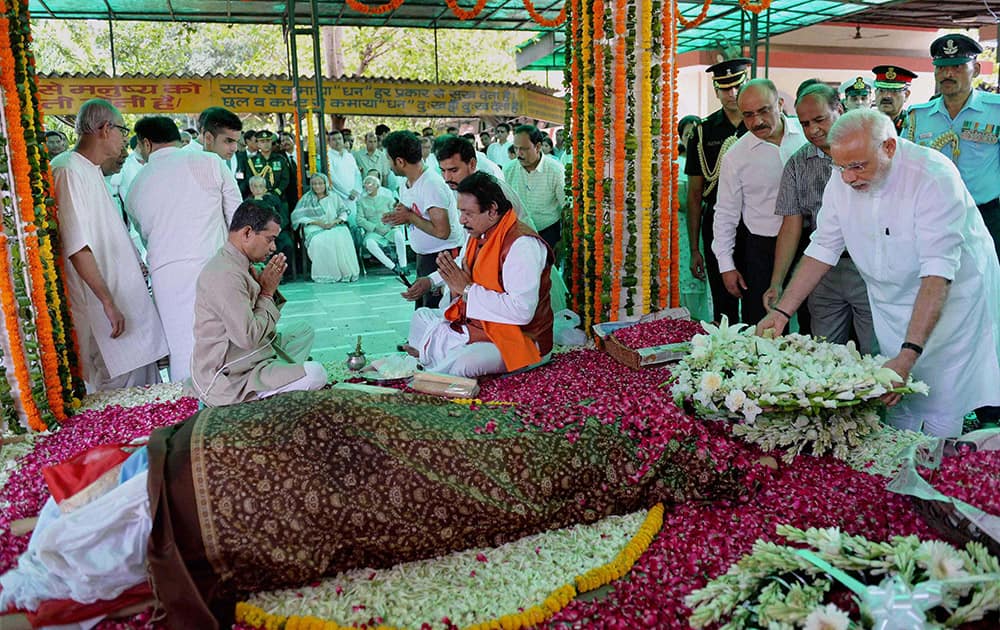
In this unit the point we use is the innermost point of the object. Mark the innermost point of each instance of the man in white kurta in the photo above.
(182, 203)
(344, 174)
(458, 339)
(916, 236)
(117, 326)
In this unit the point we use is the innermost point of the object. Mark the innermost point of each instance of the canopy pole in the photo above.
(754, 42)
(767, 45)
(292, 50)
(320, 106)
(437, 76)
(111, 34)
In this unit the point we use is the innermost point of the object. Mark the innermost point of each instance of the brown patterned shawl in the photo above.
(284, 491)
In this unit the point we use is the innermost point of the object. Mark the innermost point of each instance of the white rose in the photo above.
(735, 400)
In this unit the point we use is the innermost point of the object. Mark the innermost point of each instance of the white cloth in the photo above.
(923, 222)
(431, 191)
(431, 162)
(486, 165)
(130, 170)
(748, 188)
(500, 153)
(88, 218)
(439, 344)
(331, 250)
(181, 203)
(315, 378)
(97, 551)
(344, 174)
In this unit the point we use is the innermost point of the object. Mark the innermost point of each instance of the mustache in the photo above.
(761, 127)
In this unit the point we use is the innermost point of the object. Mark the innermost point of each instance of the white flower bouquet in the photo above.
(791, 392)
(902, 583)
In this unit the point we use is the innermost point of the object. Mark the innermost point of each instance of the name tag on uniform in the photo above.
(926, 136)
(239, 174)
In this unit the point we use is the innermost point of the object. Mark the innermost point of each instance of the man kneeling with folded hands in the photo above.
(500, 318)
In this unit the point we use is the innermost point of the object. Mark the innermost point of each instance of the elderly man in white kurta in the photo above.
(182, 203)
(916, 236)
(116, 324)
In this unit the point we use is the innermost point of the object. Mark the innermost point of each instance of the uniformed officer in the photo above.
(705, 149)
(270, 164)
(857, 93)
(892, 88)
(963, 124)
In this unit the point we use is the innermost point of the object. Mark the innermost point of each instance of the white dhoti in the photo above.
(374, 243)
(315, 378)
(174, 290)
(445, 350)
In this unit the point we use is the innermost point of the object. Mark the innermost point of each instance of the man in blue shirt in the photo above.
(963, 124)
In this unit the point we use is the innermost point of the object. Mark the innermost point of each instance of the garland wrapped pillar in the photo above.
(40, 377)
(621, 74)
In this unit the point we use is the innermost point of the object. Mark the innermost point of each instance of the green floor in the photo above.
(371, 307)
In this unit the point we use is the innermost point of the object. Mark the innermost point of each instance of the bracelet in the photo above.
(787, 316)
(906, 345)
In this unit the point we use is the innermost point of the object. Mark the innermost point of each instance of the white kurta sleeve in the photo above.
(827, 241)
(70, 190)
(728, 208)
(940, 219)
(522, 278)
(231, 197)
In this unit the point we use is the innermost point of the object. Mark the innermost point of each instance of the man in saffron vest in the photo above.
(500, 319)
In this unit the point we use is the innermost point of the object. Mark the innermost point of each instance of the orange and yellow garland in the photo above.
(599, 139)
(461, 13)
(379, 9)
(618, 203)
(755, 6)
(699, 18)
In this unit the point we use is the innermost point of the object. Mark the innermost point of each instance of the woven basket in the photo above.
(641, 357)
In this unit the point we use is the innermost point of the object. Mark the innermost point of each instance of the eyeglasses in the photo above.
(125, 130)
(857, 167)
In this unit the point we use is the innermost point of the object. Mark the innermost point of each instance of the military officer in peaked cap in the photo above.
(964, 124)
(857, 93)
(711, 139)
(892, 88)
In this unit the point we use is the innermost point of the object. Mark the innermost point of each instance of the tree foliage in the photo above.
(184, 48)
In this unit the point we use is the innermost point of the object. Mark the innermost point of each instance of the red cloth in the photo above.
(56, 612)
(66, 479)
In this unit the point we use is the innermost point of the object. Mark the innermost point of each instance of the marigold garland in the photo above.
(587, 148)
(380, 9)
(755, 6)
(600, 206)
(656, 129)
(19, 183)
(540, 19)
(256, 617)
(620, 113)
(648, 145)
(630, 281)
(572, 75)
(671, 124)
(461, 13)
(697, 20)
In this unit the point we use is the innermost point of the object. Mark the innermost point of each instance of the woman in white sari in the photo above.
(328, 238)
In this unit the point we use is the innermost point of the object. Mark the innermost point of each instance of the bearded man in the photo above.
(915, 234)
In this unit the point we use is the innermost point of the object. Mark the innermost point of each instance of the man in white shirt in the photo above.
(117, 327)
(181, 203)
(344, 174)
(540, 181)
(497, 151)
(457, 159)
(914, 232)
(426, 204)
(748, 187)
(501, 318)
(427, 152)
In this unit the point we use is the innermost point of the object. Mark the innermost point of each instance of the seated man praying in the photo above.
(238, 353)
(501, 317)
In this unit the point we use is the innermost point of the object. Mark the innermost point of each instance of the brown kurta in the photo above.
(237, 350)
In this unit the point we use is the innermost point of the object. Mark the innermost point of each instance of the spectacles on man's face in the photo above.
(857, 167)
(126, 132)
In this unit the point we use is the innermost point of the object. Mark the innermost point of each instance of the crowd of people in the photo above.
(888, 216)
(217, 221)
